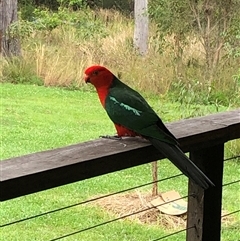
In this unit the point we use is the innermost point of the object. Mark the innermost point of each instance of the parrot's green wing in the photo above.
(128, 108)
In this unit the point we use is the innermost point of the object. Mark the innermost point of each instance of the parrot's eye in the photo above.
(95, 72)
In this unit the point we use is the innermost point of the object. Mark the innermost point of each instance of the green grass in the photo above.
(36, 118)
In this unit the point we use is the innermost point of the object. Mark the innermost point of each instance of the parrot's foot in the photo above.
(111, 137)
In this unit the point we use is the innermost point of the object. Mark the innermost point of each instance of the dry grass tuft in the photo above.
(126, 204)
(59, 57)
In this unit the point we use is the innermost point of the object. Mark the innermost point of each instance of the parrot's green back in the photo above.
(128, 108)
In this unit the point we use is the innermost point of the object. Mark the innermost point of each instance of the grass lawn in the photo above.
(35, 118)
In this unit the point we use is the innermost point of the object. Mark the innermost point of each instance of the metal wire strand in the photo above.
(228, 214)
(182, 230)
(134, 213)
(86, 201)
(116, 219)
(171, 234)
(231, 158)
(230, 183)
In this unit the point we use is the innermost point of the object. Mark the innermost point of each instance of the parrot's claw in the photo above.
(111, 137)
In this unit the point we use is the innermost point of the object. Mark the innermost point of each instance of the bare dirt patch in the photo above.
(139, 203)
(136, 202)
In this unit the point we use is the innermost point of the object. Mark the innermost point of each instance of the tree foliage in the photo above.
(215, 23)
(123, 5)
(27, 7)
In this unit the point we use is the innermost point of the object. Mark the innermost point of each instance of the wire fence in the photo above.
(89, 201)
(122, 216)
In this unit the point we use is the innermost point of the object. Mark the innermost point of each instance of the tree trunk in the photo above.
(9, 43)
(141, 26)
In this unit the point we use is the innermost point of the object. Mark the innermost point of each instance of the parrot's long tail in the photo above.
(181, 161)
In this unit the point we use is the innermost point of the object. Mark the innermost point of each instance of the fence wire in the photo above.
(232, 158)
(87, 201)
(172, 234)
(185, 229)
(230, 183)
(119, 218)
(229, 214)
(124, 216)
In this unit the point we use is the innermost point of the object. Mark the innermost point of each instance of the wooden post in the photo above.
(9, 44)
(204, 207)
(155, 178)
(141, 26)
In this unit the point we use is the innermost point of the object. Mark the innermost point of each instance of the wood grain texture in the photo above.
(43, 170)
(204, 206)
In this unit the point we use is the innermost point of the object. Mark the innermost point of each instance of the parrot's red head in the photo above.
(101, 78)
(98, 76)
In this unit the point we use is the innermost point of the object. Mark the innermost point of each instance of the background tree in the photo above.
(215, 26)
(212, 23)
(141, 26)
(9, 43)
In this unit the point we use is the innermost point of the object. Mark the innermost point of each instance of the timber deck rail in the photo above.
(203, 137)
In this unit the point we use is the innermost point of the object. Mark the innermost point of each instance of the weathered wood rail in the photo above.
(203, 137)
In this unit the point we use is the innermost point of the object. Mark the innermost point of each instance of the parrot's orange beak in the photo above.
(87, 79)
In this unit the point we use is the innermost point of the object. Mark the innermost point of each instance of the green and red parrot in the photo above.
(133, 116)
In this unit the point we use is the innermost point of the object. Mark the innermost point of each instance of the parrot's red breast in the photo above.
(122, 131)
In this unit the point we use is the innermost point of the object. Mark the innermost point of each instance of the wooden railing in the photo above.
(203, 137)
